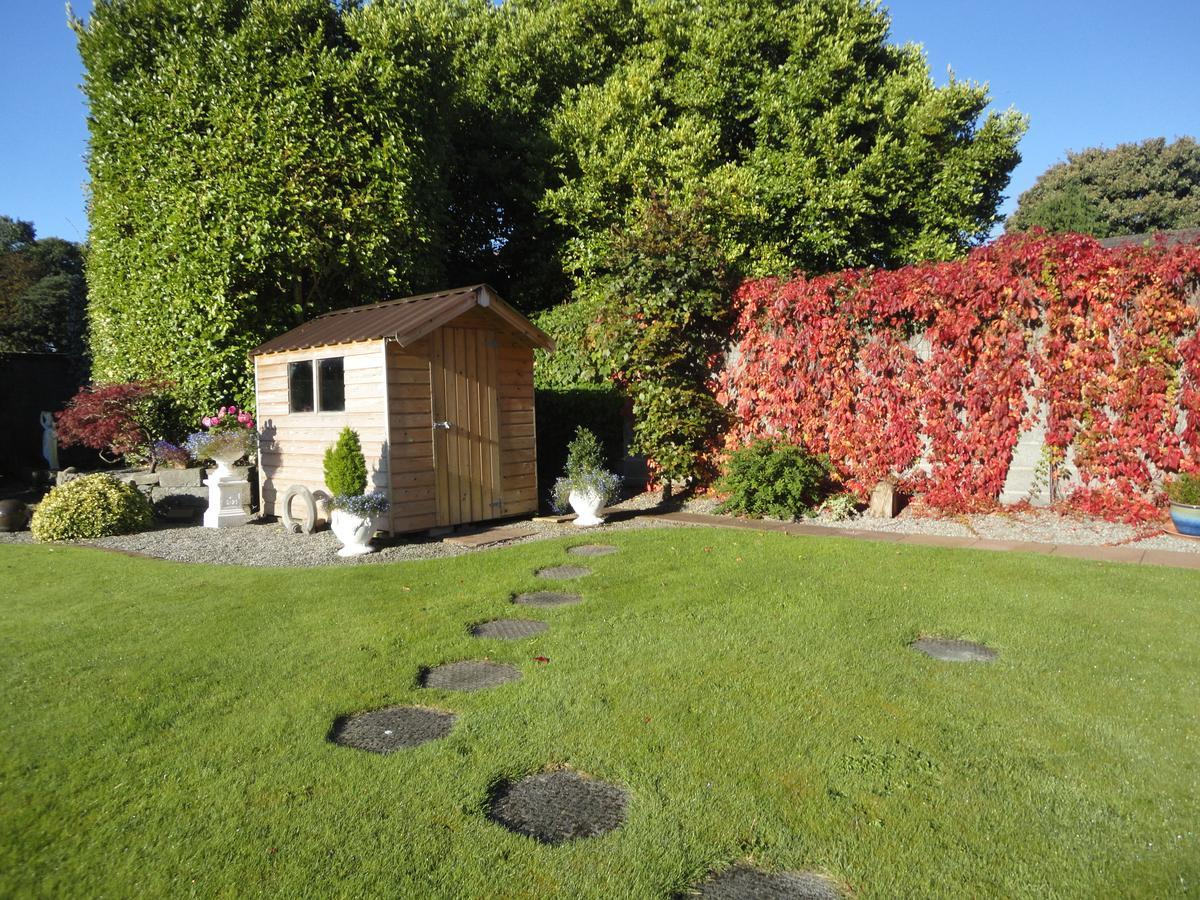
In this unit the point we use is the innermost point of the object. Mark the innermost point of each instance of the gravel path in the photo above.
(1040, 525)
(266, 544)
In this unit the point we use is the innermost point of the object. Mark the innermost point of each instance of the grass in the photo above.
(164, 725)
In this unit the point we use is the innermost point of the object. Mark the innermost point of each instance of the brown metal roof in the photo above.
(404, 321)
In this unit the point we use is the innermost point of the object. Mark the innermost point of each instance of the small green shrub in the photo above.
(90, 507)
(345, 466)
(773, 478)
(1184, 489)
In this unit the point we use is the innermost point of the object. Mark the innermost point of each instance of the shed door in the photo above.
(466, 425)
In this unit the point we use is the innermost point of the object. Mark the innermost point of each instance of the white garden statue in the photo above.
(49, 441)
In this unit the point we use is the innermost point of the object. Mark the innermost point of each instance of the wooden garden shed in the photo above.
(439, 388)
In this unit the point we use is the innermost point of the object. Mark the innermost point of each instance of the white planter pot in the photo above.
(353, 531)
(587, 507)
(225, 462)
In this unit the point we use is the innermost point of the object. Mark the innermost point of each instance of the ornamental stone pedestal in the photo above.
(228, 501)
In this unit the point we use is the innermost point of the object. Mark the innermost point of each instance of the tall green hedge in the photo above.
(253, 165)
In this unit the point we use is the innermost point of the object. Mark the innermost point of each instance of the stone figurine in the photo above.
(49, 441)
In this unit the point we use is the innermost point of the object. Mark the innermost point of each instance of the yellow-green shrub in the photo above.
(90, 507)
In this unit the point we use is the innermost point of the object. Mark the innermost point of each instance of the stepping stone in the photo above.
(469, 675)
(954, 651)
(392, 728)
(562, 573)
(555, 807)
(743, 882)
(508, 629)
(593, 549)
(547, 598)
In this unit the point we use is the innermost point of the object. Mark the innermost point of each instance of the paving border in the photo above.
(1098, 553)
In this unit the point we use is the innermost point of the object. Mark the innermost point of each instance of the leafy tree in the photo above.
(1130, 189)
(662, 295)
(43, 295)
(819, 144)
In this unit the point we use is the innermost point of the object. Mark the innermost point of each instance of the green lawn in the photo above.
(164, 725)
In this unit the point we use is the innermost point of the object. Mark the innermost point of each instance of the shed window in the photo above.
(322, 387)
(332, 391)
(300, 386)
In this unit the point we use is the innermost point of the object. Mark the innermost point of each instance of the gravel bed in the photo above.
(1043, 526)
(264, 543)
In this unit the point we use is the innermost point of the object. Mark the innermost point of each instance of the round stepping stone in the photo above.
(392, 728)
(555, 807)
(954, 651)
(593, 550)
(547, 598)
(469, 675)
(562, 573)
(508, 629)
(743, 882)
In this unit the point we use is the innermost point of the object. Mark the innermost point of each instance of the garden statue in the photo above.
(230, 436)
(49, 441)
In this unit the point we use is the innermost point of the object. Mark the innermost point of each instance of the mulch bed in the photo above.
(508, 629)
(744, 882)
(469, 675)
(954, 651)
(547, 598)
(563, 573)
(392, 728)
(593, 550)
(555, 807)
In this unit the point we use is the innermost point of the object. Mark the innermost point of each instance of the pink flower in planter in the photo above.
(221, 412)
(233, 410)
(206, 422)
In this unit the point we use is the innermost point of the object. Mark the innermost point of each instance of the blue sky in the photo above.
(1087, 73)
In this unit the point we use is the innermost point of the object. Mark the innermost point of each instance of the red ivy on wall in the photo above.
(929, 373)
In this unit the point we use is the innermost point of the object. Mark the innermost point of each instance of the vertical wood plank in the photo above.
(496, 496)
(462, 429)
(437, 384)
(478, 511)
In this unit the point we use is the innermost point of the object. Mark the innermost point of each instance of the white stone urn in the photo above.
(587, 506)
(226, 459)
(354, 531)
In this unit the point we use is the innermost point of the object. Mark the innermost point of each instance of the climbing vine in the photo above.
(930, 373)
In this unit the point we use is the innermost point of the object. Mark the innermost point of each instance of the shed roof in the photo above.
(404, 321)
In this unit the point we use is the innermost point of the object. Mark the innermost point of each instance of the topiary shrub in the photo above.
(90, 507)
(345, 465)
(773, 478)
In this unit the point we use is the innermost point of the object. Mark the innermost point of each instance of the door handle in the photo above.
(445, 425)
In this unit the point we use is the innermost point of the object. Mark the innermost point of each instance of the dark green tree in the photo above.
(1130, 189)
(43, 295)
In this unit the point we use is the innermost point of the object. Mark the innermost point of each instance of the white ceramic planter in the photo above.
(587, 508)
(353, 531)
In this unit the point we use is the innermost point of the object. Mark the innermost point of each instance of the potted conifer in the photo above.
(586, 486)
(354, 514)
